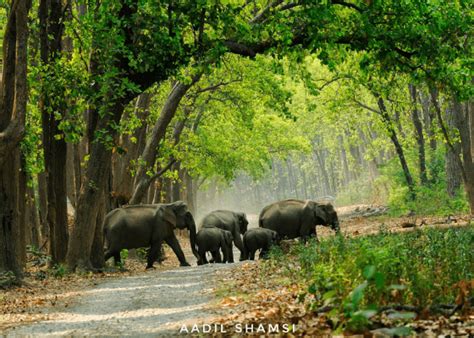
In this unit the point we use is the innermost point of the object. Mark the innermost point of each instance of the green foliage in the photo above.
(58, 270)
(7, 279)
(37, 257)
(359, 275)
(431, 199)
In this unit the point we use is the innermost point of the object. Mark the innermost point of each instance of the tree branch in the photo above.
(347, 4)
(367, 107)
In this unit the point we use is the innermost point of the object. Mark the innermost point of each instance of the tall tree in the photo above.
(52, 103)
(13, 99)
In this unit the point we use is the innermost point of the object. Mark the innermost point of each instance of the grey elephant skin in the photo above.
(148, 225)
(296, 218)
(235, 222)
(213, 240)
(259, 239)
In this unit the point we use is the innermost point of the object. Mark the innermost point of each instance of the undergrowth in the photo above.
(357, 277)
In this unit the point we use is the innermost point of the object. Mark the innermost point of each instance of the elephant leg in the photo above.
(252, 255)
(161, 255)
(107, 255)
(153, 254)
(202, 257)
(225, 254)
(172, 241)
(263, 253)
(216, 255)
(231, 255)
(117, 258)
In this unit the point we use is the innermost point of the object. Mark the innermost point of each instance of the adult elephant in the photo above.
(295, 218)
(148, 225)
(235, 222)
(212, 240)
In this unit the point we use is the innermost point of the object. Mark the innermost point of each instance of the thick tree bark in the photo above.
(95, 181)
(43, 206)
(55, 149)
(453, 172)
(420, 139)
(463, 122)
(13, 98)
(148, 157)
(122, 171)
(33, 218)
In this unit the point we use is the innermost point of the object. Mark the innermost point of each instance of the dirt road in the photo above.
(155, 303)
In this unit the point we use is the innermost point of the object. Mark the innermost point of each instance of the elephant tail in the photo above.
(105, 243)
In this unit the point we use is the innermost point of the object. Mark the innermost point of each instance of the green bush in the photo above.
(358, 275)
(431, 199)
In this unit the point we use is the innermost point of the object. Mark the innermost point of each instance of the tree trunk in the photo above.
(428, 118)
(453, 172)
(463, 119)
(148, 157)
(43, 207)
(96, 177)
(122, 171)
(157, 194)
(420, 140)
(13, 98)
(463, 122)
(55, 149)
(33, 218)
(398, 147)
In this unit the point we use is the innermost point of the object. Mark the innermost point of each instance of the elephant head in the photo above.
(184, 220)
(243, 222)
(275, 240)
(326, 215)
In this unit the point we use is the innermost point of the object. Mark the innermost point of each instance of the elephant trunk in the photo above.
(192, 239)
(336, 227)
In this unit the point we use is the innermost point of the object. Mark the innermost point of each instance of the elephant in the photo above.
(148, 225)
(295, 218)
(213, 239)
(235, 222)
(259, 238)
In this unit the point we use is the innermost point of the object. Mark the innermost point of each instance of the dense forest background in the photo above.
(226, 104)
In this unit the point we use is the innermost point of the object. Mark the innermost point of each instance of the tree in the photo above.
(13, 98)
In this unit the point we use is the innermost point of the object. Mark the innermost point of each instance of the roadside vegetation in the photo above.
(391, 282)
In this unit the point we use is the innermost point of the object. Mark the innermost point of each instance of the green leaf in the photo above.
(368, 271)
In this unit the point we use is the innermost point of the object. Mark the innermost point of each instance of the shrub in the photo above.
(357, 275)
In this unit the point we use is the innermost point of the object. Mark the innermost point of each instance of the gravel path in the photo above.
(156, 303)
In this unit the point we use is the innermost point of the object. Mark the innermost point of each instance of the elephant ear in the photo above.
(169, 216)
(320, 214)
(243, 222)
(228, 237)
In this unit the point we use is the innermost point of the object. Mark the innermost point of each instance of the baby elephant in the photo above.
(213, 239)
(259, 238)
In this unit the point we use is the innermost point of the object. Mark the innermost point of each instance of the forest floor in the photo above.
(164, 300)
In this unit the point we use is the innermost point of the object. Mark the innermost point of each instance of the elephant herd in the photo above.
(149, 225)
